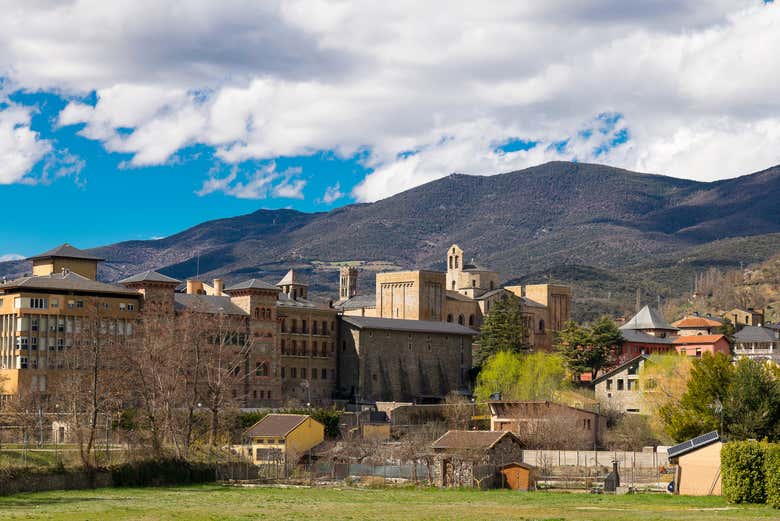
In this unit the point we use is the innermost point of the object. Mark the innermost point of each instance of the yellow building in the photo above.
(43, 315)
(279, 441)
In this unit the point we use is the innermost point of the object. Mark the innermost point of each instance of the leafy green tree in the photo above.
(535, 376)
(590, 348)
(752, 406)
(503, 330)
(699, 409)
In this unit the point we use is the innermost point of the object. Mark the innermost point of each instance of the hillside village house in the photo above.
(745, 317)
(618, 389)
(697, 345)
(695, 325)
(474, 458)
(541, 421)
(278, 441)
(759, 343)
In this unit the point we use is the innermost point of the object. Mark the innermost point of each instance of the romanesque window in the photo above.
(456, 261)
(541, 326)
(453, 285)
(471, 320)
(460, 319)
(261, 369)
(257, 313)
(450, 261)
(314, 327)
(449, 317)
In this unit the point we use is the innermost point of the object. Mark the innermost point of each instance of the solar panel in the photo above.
(698, 441)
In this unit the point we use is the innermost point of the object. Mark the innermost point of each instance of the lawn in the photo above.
(215, 502)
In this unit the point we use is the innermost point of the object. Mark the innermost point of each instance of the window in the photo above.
(314, 327)
(324, 327)
(541, 326)
(304, 327)
(34, 343)
(34, 324)
(38, 303)
(314, 348)
(60, 344)
(71, 304)
(55, 302)
(449, 318)
(303, 373)
(632, 369)
(313, 374)
(333, 375)
(471, 320)
(324, 374)
(620, 384)
(261, 369)
(609, 384)
(460, 319)
(283, 346)
(21, 342)
(283, 371)
(122, 306)
(293, 372)
(23, 362)
(80, 304)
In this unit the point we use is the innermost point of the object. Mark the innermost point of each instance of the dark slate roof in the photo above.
(252, 284)
(454, 295)
(775, 327)
(455, 440)
(619, 368)
(66, 251)
(358, 301)
(292, 277)
(68, 281)
(648, 318)
(276, 425)
(492, 292)
(149, 276)
(284, 300)
(207, 304)
(472, 266)
(418, 326)
(638, 337)
(693, 444)
(755, 334)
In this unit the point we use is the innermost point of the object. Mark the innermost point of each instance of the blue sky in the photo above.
(137, 120)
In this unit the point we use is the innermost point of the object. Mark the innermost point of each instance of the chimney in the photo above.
(194, 287)
(218, 286)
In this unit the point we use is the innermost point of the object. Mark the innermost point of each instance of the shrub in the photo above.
(742, 471)
(772, 473)
(168, 471)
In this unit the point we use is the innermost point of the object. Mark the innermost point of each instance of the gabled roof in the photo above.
(696, 323)
(67, 281)
(418, 326)
(252, 284)
(474, 440)
(638, 337)
(212, 304)
(755, 334)
(150, 276)
(65, 251)
(619, 368)
(693, 444)
(278, 425)
(358, 301)
(698, 339)
(492, 292)
(648, 318)
(292, 277)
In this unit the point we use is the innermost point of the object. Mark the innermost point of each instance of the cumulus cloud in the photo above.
(256, 185)
(332, 194)
(419, 89)
(21, 148)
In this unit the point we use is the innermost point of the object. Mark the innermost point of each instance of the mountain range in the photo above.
(607, 231)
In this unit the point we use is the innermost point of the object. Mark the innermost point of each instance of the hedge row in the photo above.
(751, 472)
(168, 471)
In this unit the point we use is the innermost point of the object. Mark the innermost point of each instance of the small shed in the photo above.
(518, 476)
(473, 458)
(698, 465)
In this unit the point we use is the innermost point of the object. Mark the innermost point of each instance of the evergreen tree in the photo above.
(503, 330)
(590, 348)
(752, 407)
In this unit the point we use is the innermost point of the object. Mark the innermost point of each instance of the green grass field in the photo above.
(215, 502)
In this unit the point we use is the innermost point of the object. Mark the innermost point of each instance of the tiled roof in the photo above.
(292, 277)
(358, 301)
(648, 318)
(698, 339)
(149, 276)
(638, 337)
(207, 304)
(284, 300)
(252, 284)
(696, 322)
(67, 281)
(276, 425)
(454, 295)
(455, 440)
(66, 251)
(418, 326)
(755, 334)
(619, 368)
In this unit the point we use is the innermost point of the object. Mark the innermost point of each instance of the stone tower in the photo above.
(454, 266)
(347, 282)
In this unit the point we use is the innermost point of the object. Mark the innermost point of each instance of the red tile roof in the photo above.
(698, 339)
(696, 322)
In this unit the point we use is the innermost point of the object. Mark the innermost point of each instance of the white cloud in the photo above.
(21, 148)
(256, 185)
(10, 257)
(695, 82)
(332, 194)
